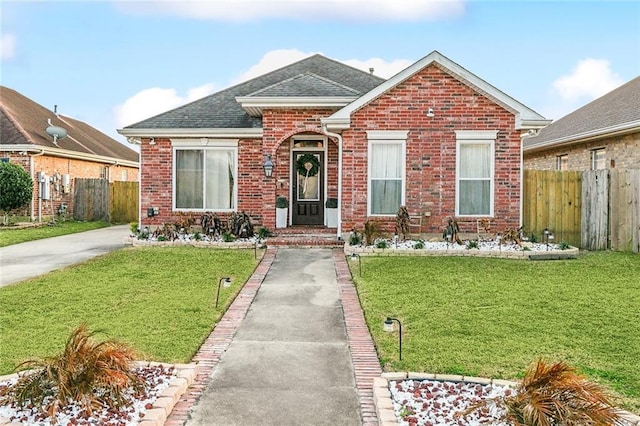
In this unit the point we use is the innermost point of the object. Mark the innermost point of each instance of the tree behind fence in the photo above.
(595, 210)
(96, 199)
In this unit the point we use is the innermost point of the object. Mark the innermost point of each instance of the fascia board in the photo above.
(196, 133)
(63, 153)
(605, 132)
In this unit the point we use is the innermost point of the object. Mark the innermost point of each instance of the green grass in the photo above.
(493, 317)
(158, 299)
(9, 236)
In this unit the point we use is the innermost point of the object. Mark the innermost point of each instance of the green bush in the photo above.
(16, 187)
(419, 245)
(331, 203)
(282, 203)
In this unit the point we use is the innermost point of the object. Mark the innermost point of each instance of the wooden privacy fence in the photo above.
(97, 199)
(595, 210)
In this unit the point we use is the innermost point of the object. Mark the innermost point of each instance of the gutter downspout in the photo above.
(521, 177)
(339, 138)
(32, 170)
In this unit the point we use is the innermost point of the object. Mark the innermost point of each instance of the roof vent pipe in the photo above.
(371, 70)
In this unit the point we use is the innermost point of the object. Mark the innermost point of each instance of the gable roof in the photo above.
(325, 77)
(525, 116)
(615, 113)
(23, 124)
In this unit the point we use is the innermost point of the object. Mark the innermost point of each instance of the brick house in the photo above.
(435, 138)
(603, 134)
(83, 152)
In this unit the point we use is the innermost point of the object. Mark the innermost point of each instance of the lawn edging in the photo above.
(384, 404)
(570, 253)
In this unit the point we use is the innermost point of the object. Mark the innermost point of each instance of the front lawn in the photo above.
(10, 236)
(493, 317)
(158, 299)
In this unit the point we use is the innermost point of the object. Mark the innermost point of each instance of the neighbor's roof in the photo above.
(525, 116)
(317, 75)
(615, 113)
(23, 124)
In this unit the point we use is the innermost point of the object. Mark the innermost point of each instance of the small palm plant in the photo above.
(93, 374)
(554, 394)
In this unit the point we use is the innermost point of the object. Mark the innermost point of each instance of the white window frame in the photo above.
(387, 137)
(594, 153)
(476, 137)
(204, 144)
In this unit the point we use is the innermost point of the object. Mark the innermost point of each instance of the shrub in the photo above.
(228, 237)
(264, 233)
(88, 372)
(133, 227)
(371, 231)
(472, 244)
(403, 220)
(355, 238)
(419, 245)
(331, 203)
(282, 203)
(554, 394)
(564, 245)
(382, 244)
(16, 187)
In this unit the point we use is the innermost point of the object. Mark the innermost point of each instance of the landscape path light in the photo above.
(355, 256)
(227, 283)
(388, 327)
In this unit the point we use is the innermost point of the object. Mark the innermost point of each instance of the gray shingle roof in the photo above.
(23, 122)
(306, 85)
(324, 76)
(617, 108)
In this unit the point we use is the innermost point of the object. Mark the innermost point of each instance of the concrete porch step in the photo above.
(305, 236)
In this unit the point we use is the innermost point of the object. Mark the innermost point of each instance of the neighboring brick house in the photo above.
(603, 134)
(85, 152)
(434, 137)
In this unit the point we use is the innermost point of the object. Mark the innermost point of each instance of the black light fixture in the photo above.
(227, 283)
(388, 327)
(355, 256)
(268, 166)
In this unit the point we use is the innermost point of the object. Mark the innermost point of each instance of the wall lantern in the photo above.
(268, 166)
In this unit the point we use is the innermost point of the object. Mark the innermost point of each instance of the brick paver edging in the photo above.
(219, 340)
(363, 352)
(384, 404)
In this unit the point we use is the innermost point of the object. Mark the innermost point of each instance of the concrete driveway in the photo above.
(27, 260)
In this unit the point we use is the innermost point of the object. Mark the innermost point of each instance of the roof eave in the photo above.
(64, 153)
(617, 130)
(243, 133)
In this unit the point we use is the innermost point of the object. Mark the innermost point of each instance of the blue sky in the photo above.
(113, 63)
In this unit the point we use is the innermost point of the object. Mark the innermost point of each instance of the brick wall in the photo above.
(622, 152)
(75, 169)
(431, 150)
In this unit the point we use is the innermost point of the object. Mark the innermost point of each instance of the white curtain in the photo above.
(475, 179)
(386, 178)
(189, 173)
(220, 179)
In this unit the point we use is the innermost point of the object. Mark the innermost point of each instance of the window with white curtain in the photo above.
(474, 172)
(205, 179)
(386, 171)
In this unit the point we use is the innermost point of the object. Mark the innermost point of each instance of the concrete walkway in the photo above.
(27, 260)
(289, 361)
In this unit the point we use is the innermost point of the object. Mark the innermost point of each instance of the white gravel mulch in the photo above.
(157, 378)
(435, 403)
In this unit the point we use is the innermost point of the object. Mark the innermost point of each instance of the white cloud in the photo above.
(309, 10)
(149, 102)
(7, 47)
(381, 68)
(282, 57)
(589, 79)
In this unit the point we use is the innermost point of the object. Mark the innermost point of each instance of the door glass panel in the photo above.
(307, 177)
